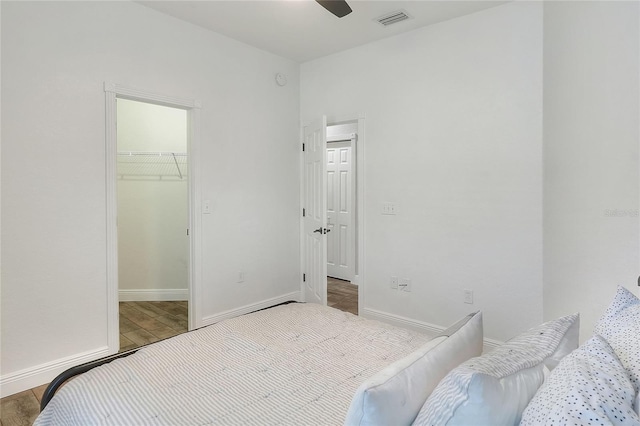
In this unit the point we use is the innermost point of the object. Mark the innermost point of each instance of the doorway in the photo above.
(153, 218)
(332, 247)
(342, 293)
(115, 93)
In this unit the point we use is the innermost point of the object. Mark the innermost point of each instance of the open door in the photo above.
(315, 213)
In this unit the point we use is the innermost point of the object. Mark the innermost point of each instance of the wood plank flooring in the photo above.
(342, 295)
(148, 322)
(21, 408)
(142, 323)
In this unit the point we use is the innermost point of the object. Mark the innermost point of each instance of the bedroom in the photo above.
(522, 224)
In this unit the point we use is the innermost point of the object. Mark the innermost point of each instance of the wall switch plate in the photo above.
(394, 283)
(405, 284)
(241, 276)
(206, 207)
(468, 296)
(389, 208)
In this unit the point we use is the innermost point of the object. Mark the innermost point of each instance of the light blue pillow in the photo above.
(494, 389)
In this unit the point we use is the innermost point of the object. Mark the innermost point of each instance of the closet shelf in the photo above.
(148, 164)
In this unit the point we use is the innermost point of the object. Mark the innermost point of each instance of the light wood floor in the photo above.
(147, 322)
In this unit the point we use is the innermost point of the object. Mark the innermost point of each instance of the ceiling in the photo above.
(302, 30)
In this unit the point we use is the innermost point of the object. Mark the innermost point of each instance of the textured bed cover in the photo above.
(291, 364)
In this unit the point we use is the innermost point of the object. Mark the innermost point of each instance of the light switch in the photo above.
(389, 208)
(206, 207)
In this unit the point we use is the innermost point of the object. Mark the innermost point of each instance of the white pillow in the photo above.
(590, 386)
(620, 326)
(495, 388)
(394, 395)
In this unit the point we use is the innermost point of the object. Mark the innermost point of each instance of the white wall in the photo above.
(454, 137)
(153, 211)
(341, 129)
(591, 167)
(55, 58)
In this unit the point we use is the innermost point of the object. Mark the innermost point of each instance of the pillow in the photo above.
(495, 388)
(395, 394)
(590, 386)
(620, 326)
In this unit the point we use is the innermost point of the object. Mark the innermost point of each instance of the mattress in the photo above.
(291, 364)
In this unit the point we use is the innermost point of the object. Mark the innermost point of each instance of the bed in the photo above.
(307, 364)
(291, 364)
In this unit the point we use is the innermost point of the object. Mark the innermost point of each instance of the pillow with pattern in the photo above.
(589, 387)
(620, 326)
(495, 388)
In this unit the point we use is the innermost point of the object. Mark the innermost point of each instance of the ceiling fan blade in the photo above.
(339, 8)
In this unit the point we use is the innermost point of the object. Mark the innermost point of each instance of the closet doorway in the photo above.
(153, 221)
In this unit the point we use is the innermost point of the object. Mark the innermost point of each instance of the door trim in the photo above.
(112, 92)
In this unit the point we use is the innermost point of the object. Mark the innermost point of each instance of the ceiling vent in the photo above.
(393, 18)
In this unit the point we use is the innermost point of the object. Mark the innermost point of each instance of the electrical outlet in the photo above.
(405, 284)
(394, 283)
(206, 207)
(468, 296)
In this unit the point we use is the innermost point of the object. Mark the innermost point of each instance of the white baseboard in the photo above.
(250, 308)
(36, 376)
(424, 327)
(148, 295)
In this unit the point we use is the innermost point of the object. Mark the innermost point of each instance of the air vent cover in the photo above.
(393, 18)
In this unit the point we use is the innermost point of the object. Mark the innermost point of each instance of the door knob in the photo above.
(319, 230)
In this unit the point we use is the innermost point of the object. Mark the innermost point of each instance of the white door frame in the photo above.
(359, 277)
(112, 92)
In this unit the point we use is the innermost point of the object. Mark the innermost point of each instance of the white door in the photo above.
(340, 210)
(315, 213)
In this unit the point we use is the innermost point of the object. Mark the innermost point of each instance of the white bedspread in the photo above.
(292, 364)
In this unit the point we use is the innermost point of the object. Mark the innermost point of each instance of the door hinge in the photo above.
(304, 278)
(187, 231)
(304, 212)
(303, 147)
